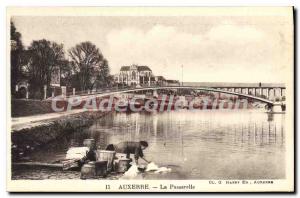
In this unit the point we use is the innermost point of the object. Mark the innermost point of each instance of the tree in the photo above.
(15, 56)
(66, 74)
(103, 78)
(43, 57)
(88, 65)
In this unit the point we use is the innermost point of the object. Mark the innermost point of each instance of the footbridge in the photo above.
(232, 91)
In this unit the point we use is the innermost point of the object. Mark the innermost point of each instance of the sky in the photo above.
(199, 48)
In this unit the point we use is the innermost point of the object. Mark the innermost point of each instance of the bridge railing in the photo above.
(120, 89)
(140, 88)
(116, 89)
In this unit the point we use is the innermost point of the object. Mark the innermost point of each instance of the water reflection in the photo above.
(212, 144)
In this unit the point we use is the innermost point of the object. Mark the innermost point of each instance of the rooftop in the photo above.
(139, 68)
(172, 81)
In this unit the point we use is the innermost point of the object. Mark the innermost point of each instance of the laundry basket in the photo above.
(103, 155)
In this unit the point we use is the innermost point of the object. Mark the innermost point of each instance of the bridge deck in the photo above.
(119, 91)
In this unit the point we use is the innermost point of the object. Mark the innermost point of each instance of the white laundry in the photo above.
(153, 167)
(77, 152)
(131, 173)
(163, 170)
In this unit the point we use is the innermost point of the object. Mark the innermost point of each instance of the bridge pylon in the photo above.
(277, 107)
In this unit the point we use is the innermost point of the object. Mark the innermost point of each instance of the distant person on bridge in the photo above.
(128, 148)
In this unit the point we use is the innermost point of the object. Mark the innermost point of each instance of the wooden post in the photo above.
(45, 92)
(63, 91)
(27, 93)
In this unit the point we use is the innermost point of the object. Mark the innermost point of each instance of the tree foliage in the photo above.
(89, 67)
(86, 68)
(43, 57)
(16, 56)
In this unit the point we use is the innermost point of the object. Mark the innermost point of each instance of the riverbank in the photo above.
(29, 133)
(27, 107)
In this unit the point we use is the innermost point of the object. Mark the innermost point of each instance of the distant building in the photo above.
(135, 75)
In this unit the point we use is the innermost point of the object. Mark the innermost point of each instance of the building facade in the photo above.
(137, 75)
(134, 75)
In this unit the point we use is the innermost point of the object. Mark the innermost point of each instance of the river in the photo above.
(201, 144)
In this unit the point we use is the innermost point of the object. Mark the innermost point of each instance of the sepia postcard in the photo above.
(150, 99)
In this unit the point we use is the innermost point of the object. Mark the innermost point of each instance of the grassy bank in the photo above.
(20, 107)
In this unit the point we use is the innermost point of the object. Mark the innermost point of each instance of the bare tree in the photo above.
(88, 64)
